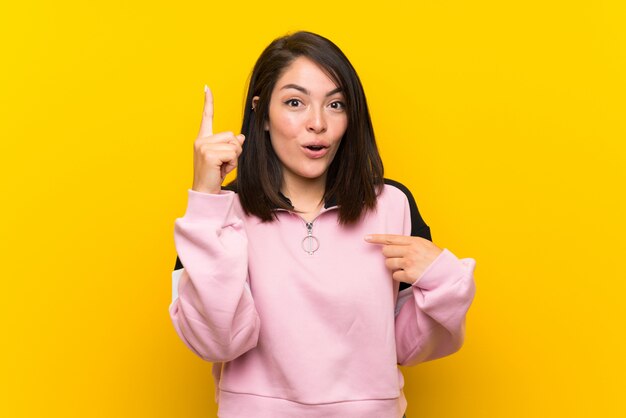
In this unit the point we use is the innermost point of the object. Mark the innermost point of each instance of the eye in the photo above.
(293, 102)
(338, 105)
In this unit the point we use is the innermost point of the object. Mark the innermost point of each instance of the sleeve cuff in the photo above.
(205, 205)
(439, 271)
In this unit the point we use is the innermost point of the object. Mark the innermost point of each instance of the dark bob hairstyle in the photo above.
(355, 176)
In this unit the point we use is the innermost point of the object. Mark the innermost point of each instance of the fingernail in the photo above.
(368, 237)
(242, 136)
(206, 88)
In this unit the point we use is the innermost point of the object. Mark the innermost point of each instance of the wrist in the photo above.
(207, 190)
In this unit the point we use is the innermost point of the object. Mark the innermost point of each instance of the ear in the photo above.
(255, 103)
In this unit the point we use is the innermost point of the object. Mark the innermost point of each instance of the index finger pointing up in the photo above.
(206, 126)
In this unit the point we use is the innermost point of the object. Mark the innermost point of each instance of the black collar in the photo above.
(329, 203)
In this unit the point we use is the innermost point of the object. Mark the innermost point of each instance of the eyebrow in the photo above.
(305, 91)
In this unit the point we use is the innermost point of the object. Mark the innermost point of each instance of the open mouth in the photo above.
(315, 147)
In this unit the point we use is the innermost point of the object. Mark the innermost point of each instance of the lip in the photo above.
(315, 153)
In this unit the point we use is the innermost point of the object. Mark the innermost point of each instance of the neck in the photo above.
(306, 195)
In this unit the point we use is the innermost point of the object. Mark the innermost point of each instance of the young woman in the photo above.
(310, 278)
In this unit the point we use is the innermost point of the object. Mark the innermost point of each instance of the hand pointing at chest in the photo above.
(407, 257)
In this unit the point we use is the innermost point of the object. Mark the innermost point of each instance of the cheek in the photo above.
(283, 126)
(341, 126)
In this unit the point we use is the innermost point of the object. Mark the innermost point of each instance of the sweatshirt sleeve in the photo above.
(430, 314)
(213, 312)
(431, 322)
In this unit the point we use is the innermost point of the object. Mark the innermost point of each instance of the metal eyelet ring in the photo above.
(310, 244)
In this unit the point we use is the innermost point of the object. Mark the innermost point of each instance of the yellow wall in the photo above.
(506, 119)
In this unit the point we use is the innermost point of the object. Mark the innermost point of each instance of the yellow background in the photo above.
(505, 118)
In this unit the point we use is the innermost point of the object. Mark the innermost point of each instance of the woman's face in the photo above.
(307, 119)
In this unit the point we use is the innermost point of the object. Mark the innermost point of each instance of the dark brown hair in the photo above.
(355, 175)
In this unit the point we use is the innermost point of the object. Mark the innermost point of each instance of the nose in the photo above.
(316, 122)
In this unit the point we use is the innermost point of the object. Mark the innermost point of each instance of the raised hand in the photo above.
(214, 156)
(407, 257)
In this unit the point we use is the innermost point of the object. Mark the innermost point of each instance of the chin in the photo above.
(312, 174)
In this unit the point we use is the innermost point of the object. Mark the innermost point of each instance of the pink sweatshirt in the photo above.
(299, 334)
